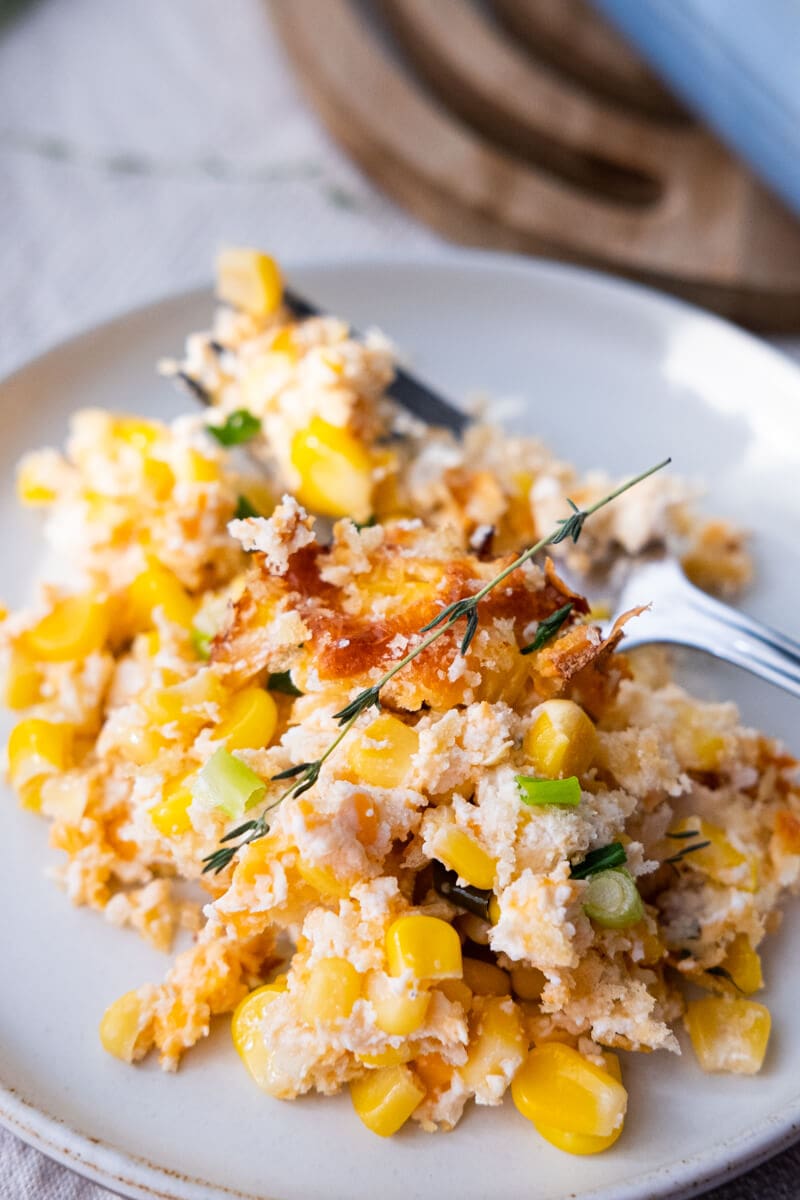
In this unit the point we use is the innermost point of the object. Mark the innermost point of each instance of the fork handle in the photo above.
(700, 621)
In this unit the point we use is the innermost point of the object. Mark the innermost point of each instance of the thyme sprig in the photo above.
(304, 775)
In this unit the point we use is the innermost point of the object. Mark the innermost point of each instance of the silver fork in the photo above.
(683, 615)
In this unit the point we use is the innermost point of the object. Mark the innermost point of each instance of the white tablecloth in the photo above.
(136, 136)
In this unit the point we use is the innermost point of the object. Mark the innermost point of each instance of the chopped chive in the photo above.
(676, 858)
(244, 509)
(612, 899)
(201, 644)
(566, 793)
(601, 859)
(281, 681)
(471, 899)
(239, 426)
(228, 784)
(548, 628)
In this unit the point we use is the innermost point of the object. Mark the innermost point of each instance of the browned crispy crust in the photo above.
(348, 634)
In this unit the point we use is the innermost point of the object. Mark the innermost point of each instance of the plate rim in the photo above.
(145, 1180)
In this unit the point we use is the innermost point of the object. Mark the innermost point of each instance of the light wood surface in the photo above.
(450, 112)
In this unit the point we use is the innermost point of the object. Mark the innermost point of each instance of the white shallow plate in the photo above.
(609, 374)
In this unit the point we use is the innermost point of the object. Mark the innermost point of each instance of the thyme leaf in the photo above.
(292, 772)
(548, 628)
(364, 700)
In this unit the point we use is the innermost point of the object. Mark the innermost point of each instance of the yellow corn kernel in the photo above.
(390, 1057)
(434, 1072)
(381, 754)
(74, 628)
(456, 991)
(613, 1065)
(255, 860)
(251, 717)
(159, 477)
(485, 979)
(171, 815)
(557, 1088)
(195, 467)
(474, 928)
(400, 1008)
(332, 988)
(246, 1030)
(151, 642)
(134, 431)
(561, 740)
(367, 817)
(424, 947)
(334, 469)
(698, 747)
(250, 280)
(120, 1026)
(141, 746)
(185, 702)
(527, 982)
(36, 748)
(324, 879)
(157, 588)
(22, 682)
(720, 860)
(64, 797)
(284, 343)
(386, 1098)
(653, 949)
(32, 488)
(576, 1143)
(496, 1040)
(728, 1034)
(464, 855)
(504, 675)
(743, 964)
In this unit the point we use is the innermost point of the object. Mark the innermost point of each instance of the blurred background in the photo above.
(135, 138)
(657, 139)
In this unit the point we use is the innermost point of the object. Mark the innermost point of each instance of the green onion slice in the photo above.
(228, 784)
(239, 426)
(201, 644)
(566, 793)
(612, 855)
(612, 899)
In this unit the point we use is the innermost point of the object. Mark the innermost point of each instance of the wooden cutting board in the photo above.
(528, 125)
